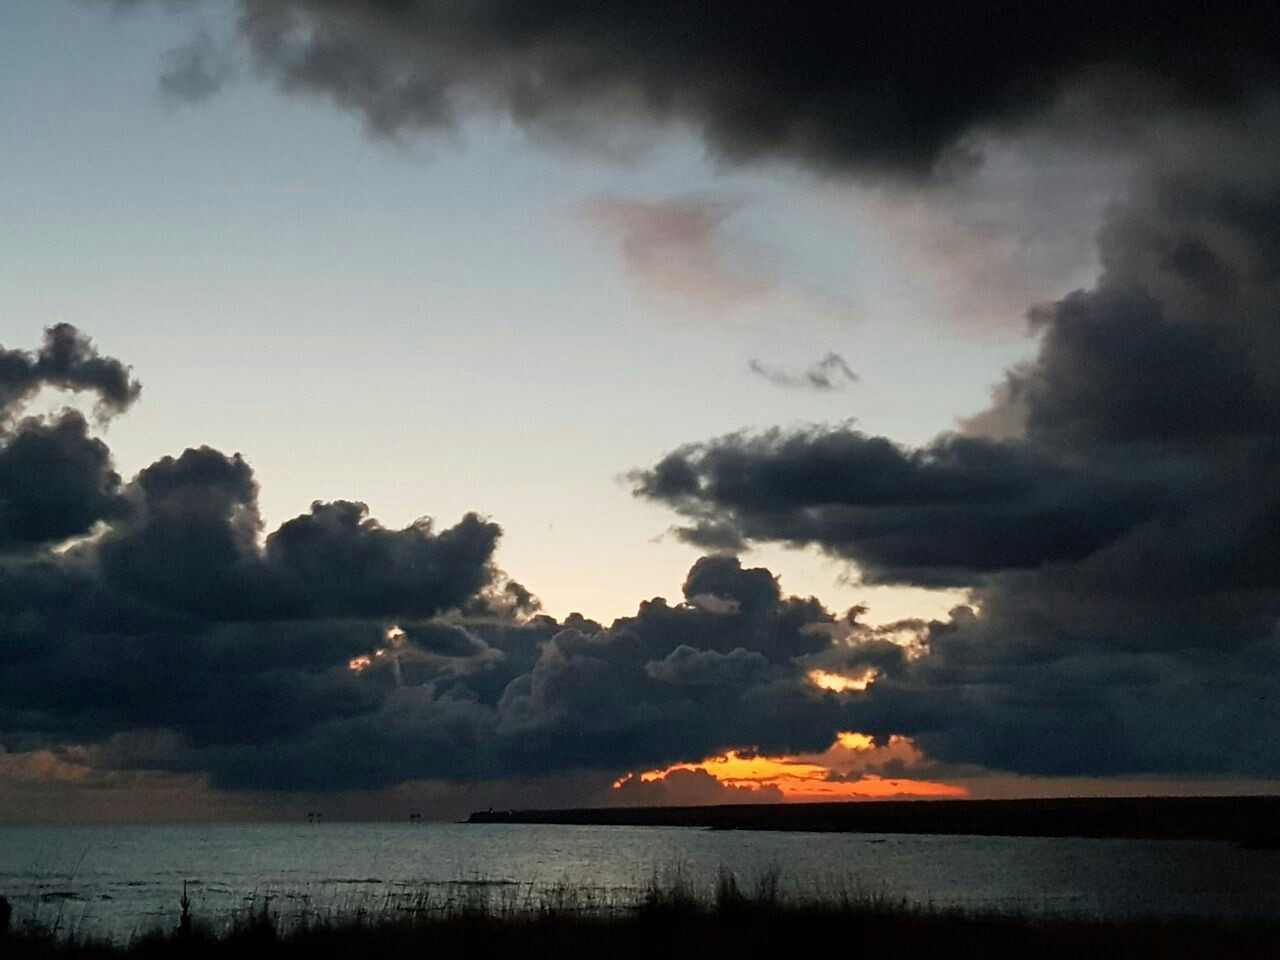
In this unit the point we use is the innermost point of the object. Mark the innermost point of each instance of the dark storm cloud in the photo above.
(276, 706)
(177, 619)
(192, 548)
(336, 561)
(832, 372)
(1022, 686)
(685, 665)
(333, 653)
(1115, 512)
(942, 514)
(1113, 369)
(56, 482)
(677, 681)
(834, 85)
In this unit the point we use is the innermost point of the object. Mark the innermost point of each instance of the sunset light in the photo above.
(847, 770)
(395, 639)
(839, 683)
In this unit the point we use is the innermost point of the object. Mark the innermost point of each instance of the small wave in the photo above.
(420, 884)
(51, 896)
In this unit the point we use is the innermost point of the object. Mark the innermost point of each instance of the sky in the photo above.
(922, 362)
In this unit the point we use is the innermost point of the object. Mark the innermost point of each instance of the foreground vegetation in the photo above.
(671, 922)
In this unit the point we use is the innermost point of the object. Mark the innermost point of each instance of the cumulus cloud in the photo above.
(67, 360)
(192, 548)
(56, 480)
(186, 640)
(478, 701)
(181, 617)
(690, 667)
(935, 516)
(1112, 512)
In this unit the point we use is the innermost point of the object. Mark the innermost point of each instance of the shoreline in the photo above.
(1247, 821)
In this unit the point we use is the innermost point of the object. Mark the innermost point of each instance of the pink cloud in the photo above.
(673, 248)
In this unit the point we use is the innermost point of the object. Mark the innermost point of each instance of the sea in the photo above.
(116, 882)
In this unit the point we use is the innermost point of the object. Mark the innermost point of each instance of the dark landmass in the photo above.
(1251, 821)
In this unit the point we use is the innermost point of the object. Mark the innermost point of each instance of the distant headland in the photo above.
(1251, 821)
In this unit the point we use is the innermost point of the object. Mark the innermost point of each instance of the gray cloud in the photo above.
(1113, 512)
(56, 481)
(823, 84)
(66, 360)
(832, 372)
(338, 703)
(195, 71)
(177, 618)
(945, 514)
(184, 639)
(685, 665)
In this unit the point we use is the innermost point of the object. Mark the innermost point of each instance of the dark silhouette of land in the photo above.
(1254, 821)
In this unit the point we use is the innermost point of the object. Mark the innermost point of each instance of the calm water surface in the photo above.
(117, 881)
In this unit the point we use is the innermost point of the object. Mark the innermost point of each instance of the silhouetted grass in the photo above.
(672, 920)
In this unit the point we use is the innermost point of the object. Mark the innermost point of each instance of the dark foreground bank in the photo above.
(672, 924)
(1252, 821)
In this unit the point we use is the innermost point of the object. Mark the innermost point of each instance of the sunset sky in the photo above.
(924, 359)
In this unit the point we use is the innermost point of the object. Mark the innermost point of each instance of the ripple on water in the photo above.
(56, 896)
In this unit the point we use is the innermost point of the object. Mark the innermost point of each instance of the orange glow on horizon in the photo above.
(842, 772)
